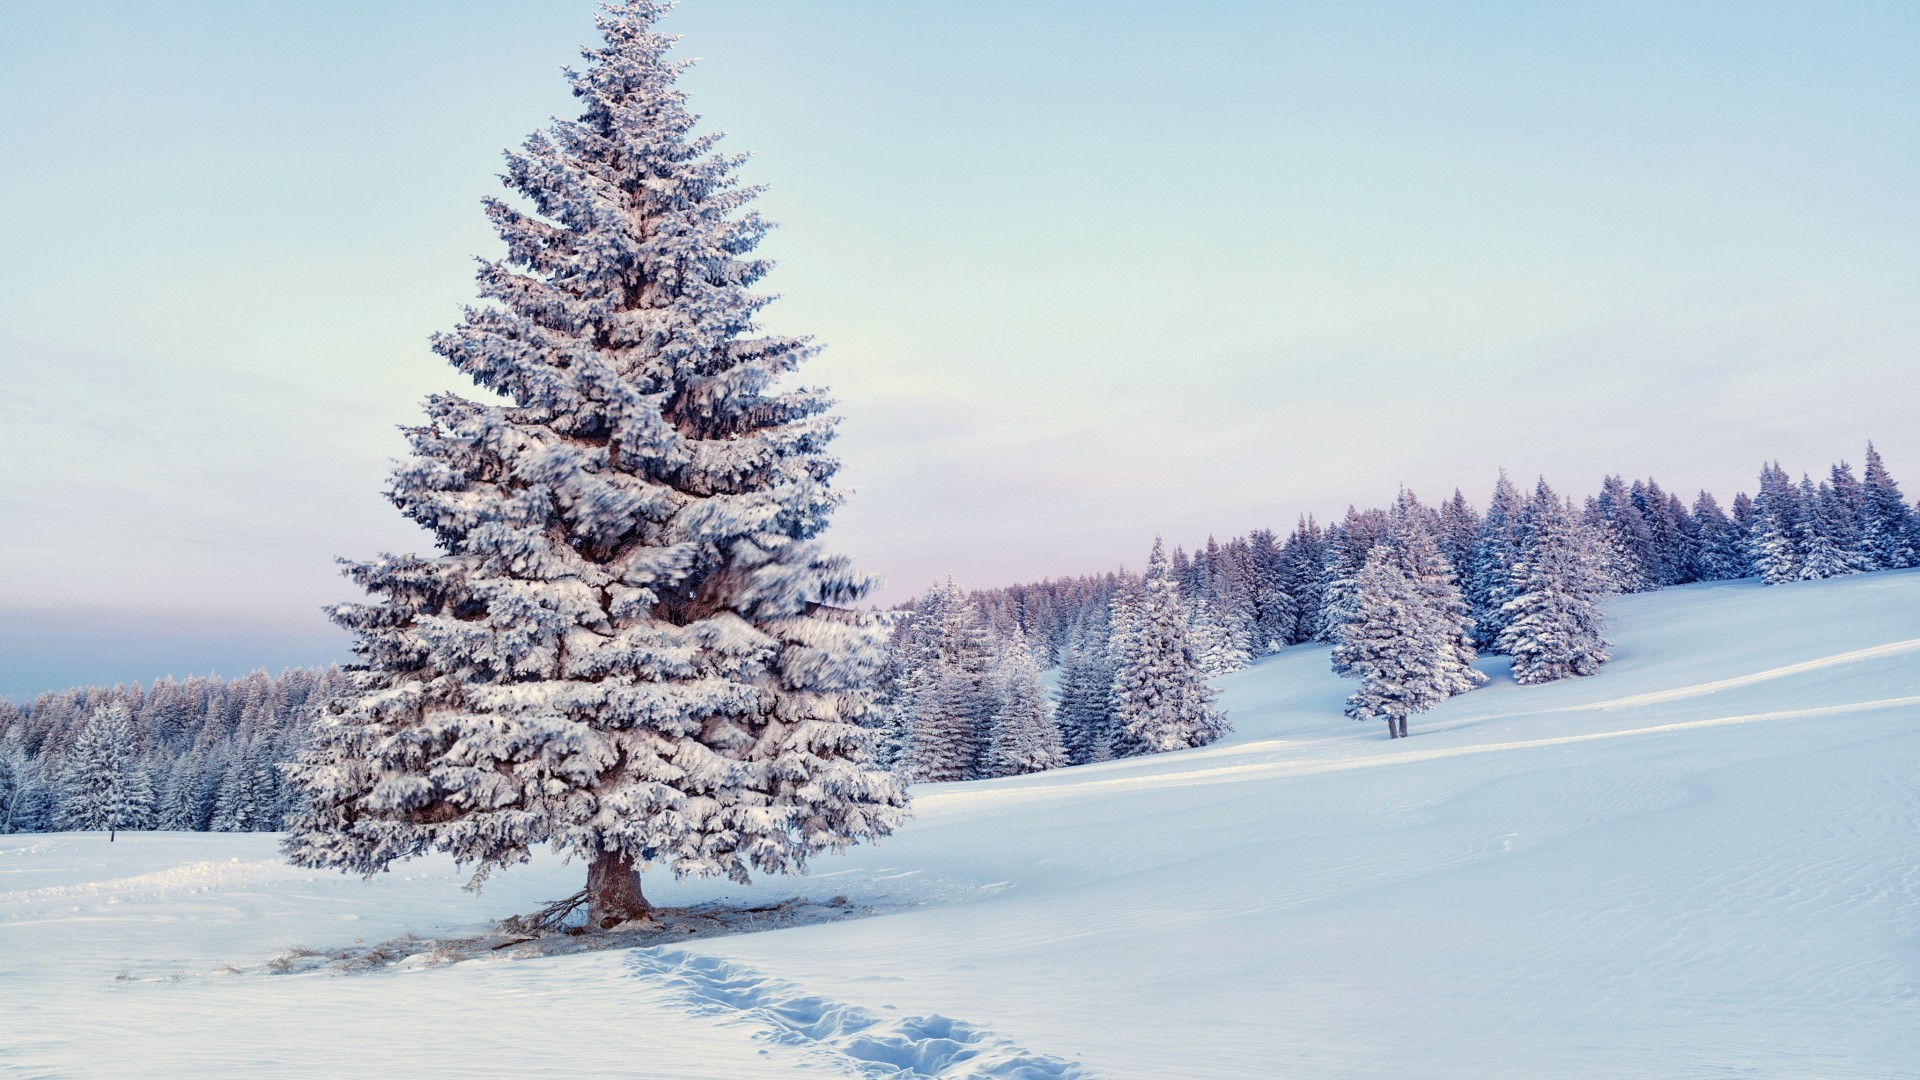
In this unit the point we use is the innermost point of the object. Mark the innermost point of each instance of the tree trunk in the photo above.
(1403, 727)
(613, 892)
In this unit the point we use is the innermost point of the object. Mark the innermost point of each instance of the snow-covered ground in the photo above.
(1699, 863)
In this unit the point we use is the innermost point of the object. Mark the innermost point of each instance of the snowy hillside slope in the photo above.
(1698, 863)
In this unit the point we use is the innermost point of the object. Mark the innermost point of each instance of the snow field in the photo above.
(1698, 863)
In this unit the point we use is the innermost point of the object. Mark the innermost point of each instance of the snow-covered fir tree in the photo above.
(632, 647)
(1406, 634)
(1826, 548)
(1887, 525)
(105, 783)
(1025, 736)
(1720, 556)
(1384, 646)
(1775, 539)
(1304, 576)
(1554, 627)
(1276, 614)
(1488, 581)
(248, 799)
(1345, 552)
(948, 695)
(1215, 647)
(1084, 710)
(1616, 517)
(1160, 699)
(26, 799)
(1411, 536)
(1458, 534)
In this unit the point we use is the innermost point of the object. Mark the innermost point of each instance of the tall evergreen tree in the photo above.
(1084, 709)
(1276, 614)
(1304, 576)
(1624, 525)
(25, 797)
(1160, 699)
(1555, 628)
(633, 649)
(1025, 737)
(105, 785)
(1826, 548)
(1720, 556)
(949, 697)
(1886, 524)
(1775, 538)
(1488, 577)
(1406, 633)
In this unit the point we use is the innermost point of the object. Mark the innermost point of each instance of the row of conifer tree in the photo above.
(199, 754)
(1410, 596)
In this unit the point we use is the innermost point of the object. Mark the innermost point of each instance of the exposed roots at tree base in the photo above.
(548, 920)
(558, 929)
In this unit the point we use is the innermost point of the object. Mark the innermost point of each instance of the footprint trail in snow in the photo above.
(868, 1045)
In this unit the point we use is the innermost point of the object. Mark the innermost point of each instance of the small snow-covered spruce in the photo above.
(1025, 737)
(105, 784)
(1161, 701)
(1554, 628)
(632, 647)
(1405, 634)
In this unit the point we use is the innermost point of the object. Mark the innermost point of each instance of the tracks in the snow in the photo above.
(865, 1043)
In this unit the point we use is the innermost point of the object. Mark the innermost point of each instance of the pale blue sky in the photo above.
(1085, 271)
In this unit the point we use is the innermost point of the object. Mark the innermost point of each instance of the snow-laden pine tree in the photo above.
(1406, 634)
(1886, 524)
(1775, 539)
(1740, 512)
(1616, 516)
(1161, 701)
(1084, 708)
(248, 797)
(1383, 645)
(1304, 576)
(1720, 557)
(949, 696)
(25, 796)
(1488, 577)
(104, 784)
(1410, 534)
(631, 648)
(1827, 549)
(1215, 647)
(1025, 736)
(1458, 534)
(1554, 627)
(1346, 549)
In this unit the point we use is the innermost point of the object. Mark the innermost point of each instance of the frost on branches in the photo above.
(631, 648)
